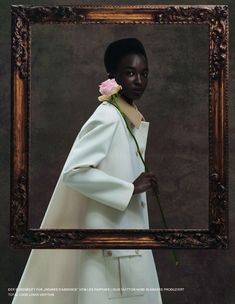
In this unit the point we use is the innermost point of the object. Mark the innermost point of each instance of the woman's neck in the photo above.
(130, 101)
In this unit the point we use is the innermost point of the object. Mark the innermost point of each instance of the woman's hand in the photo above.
(144, 182)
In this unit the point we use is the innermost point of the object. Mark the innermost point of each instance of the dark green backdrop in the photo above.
(67, 66)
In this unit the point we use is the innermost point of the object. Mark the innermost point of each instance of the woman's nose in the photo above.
(138, 79)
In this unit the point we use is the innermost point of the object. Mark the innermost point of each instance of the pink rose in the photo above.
(109, 87)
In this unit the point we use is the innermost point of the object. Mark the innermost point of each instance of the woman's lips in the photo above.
(137, 91)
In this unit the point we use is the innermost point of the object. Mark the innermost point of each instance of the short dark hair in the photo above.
(119, 48)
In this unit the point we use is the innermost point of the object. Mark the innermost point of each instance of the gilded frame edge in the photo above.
(216, 18)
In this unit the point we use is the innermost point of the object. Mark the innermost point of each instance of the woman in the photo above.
(102, 185)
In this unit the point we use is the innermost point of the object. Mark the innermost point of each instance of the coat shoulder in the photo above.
(106, 112)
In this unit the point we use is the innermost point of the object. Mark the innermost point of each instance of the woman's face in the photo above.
(132, 75)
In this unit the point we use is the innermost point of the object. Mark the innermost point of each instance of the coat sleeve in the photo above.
(81, 170)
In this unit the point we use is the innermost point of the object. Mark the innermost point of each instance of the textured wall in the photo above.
(66, 71)
(67, 67)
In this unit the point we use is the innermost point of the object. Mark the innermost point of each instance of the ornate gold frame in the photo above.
(216, 19)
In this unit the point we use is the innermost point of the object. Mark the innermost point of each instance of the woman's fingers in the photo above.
(145, 181)
(154, 182)
(152, 177)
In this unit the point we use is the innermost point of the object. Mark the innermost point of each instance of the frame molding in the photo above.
(216, 19)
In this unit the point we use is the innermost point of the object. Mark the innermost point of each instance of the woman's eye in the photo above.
(146, 75)
(130, 73)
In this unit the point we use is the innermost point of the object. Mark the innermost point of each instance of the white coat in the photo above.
(95, 190)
